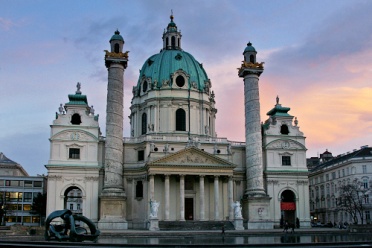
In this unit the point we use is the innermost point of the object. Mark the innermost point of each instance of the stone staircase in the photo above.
(195, 225)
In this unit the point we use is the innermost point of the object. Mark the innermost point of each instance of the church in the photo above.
(173, 167)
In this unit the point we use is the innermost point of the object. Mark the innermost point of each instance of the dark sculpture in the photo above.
(69, 230)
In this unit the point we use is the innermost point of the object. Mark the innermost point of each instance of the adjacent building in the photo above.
(330, 173)
(17, 191)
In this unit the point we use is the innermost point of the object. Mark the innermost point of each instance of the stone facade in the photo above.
(173, 155)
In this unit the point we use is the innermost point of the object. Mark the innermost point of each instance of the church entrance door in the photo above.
(189, 208)
(288, 206)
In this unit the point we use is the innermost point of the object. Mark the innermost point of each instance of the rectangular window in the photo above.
(141, 155)
(35, 219)
(366, 199)
(20, 196)
(139, 189)
(333, 175)
(14, 183)
(28, 184)
(343, 172)
(365, 183)
(12, 207)
(339, 173)
(38, 184)
(74, 153)
(327, 177)
(364, 169)
(14, 196)
(27, 196)
(26, 207)
(78, 206)
(27, 219)
(368, 216)
(286, 160)
(71, 206)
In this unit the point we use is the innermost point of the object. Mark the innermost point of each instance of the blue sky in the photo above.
(317, 58)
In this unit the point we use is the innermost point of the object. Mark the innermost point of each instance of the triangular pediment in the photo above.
(191, 157)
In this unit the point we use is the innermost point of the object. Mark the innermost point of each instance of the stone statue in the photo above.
(215, 148)
(229, 148)
(206, 129)
(166, 148)
(60, 109)
(237, 210)
(154, 206)
(296, 121)
(152, 147)
(78, 86)
(277, 99)
(91, 111)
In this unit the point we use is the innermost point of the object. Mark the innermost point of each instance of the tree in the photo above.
(39, 205)
(352, 198)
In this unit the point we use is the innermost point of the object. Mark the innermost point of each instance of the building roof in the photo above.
(278, 110)
(364, 151)
(77, 99)
(6, 163)
(5, 160)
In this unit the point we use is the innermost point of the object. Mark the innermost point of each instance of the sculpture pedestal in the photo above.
(154, 224)
(238, 224)
(112, 211)
(257, 212)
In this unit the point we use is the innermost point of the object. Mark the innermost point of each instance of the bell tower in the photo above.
(256, 204)
(113, 197)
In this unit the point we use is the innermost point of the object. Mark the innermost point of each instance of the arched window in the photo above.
(251, 58)
(167, 41)
(284, 129)
(173, 42)
(180, 120)
(144, 123)
(116, 48)
(75, 119)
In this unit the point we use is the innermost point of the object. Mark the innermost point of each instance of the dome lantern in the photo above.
(117, 42)
(171, 36)
(250, 53)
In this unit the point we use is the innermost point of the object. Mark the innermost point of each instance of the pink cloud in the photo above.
(6, 24)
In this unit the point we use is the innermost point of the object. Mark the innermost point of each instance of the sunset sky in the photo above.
(317, 54)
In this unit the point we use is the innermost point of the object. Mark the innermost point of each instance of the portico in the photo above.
(185, 181)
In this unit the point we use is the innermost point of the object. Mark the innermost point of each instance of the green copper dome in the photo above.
(161, 66)
(249, 48)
